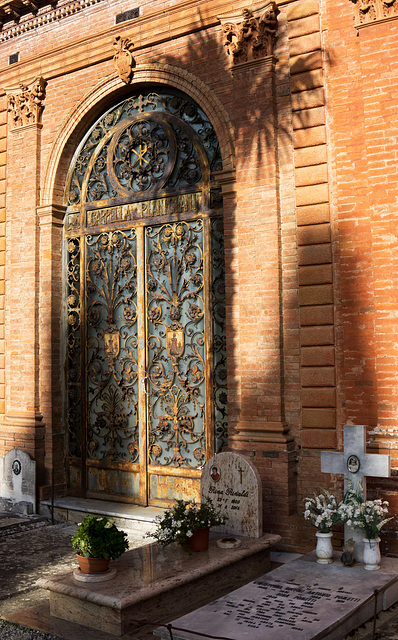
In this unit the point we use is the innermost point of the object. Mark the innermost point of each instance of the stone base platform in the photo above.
(128, 517)
(153, 583)
(302, 600)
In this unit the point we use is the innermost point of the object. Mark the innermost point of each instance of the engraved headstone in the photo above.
(355, 464)
(233, 484)
(17, 482)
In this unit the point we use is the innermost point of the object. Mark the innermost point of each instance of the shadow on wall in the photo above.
(261, 118)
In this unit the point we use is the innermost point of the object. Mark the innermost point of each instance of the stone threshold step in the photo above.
(70, 509)
(153, 583)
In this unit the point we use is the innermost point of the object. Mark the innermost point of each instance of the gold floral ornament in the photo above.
(123, 58)
(26, 104)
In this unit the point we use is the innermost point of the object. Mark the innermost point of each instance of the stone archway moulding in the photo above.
(149, 74)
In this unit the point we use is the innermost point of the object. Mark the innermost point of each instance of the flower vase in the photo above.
(199, 541)
(324, 548)
(371, 554)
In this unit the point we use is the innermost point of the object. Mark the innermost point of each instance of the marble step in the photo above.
(128, 517)
(152, 583)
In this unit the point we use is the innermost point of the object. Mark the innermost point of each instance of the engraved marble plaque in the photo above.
(17, 482)
(298, 601)
(233, 484)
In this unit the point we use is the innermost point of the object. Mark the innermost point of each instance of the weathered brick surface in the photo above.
(309, 219)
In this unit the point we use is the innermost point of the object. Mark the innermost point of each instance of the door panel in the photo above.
(111, 364)
(176, 341)
(145, 341)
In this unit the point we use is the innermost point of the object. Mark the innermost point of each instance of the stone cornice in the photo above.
(99, 47)
(38, 15)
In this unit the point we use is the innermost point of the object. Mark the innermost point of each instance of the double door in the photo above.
(145, 360)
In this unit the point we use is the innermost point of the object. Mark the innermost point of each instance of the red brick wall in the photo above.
(309, 218)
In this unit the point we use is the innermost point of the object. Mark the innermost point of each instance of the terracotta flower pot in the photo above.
(199, 541)
(93, 565)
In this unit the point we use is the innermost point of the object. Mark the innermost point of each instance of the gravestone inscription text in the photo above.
(232, 483)
(296, 601)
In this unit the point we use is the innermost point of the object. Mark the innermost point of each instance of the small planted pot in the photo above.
(93, 565)
(199, 541)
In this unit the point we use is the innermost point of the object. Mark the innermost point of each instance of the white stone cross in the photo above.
(356, 465)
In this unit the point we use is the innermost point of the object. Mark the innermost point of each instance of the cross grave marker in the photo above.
(355, 464)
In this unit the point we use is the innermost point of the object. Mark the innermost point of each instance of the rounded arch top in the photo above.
(112, 88)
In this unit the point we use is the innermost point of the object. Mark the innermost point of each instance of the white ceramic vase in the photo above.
(324, 549)
(371, 554)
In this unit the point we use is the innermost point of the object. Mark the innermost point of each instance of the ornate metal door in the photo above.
(145, 352)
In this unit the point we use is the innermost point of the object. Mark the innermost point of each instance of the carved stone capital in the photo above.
(251, 35)
(370, 11)
(123, 58)
(26, 104)
(51, 214)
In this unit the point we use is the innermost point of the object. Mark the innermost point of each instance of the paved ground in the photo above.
(30, 549)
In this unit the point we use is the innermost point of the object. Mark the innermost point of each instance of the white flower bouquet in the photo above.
(368, 515)
(180, 522)
(322, 511)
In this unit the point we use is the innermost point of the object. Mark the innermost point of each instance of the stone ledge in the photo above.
(152, 582)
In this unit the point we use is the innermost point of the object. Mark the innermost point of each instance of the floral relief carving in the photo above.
(368, 11)
(253, 37)
(26, 105)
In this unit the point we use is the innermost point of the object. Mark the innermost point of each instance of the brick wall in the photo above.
(309, 187)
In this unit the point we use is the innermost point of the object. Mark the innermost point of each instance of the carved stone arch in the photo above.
(107, 92)
(143, 283)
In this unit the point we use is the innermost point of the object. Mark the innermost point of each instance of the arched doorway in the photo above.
(145, 359)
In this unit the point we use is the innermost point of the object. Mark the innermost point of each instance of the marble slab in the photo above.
(298, 601)
(152, 582)
(233, 484)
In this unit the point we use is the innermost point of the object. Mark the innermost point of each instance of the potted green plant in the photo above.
(98, 540)
(188, 524)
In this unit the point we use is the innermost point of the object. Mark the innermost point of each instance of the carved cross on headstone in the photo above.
(356, 465)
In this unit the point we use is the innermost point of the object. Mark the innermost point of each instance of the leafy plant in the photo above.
(99, 537)
(368, 515)
(180, 522)
(322, 511)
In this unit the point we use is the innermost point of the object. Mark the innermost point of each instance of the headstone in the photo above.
(233, 484)
(355, 464)
(17, 482)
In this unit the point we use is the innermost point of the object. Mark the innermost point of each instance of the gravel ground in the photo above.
(10, 631)
(29, 551)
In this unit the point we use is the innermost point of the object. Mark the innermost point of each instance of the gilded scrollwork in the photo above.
(368, 11)
(73, 338)
(159, 142)
(219, 336)
(253, 37)
(26, 105)
(176, 342)
(112, 370)
(145, 299)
